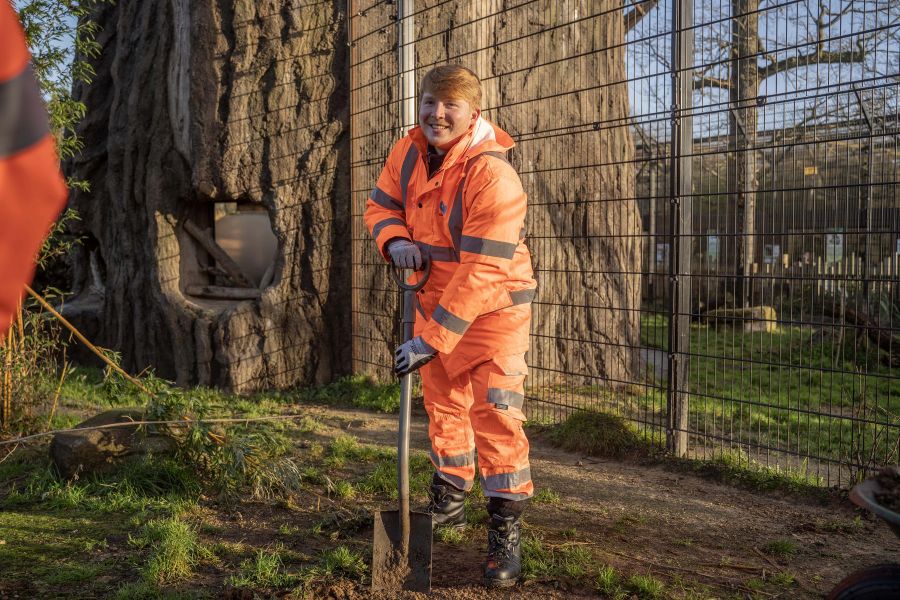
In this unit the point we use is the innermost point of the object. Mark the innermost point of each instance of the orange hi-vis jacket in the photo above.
(32, 190)
(469, 219)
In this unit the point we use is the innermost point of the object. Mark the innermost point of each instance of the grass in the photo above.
(340, 561)
(780, 548)
(607, 581)
(736, 468)
(611, 584)
(601, 434)
(382, 479)
(783, 579)
(265, 569)
(56, 549)
(174, 550)
(140, 485)
(358, 391)
(645, 587)
(541, 560)
(546, 496)
(785, 374)
(450, 535)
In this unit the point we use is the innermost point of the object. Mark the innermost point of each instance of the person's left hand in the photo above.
(411, 355)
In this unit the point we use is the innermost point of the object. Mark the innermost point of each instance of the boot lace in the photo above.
(439, 494)
(500, 544)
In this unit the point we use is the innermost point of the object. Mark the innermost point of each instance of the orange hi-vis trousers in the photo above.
(481, 410)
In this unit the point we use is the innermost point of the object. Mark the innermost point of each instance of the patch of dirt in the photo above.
(652, 521)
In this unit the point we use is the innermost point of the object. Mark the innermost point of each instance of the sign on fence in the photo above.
(834, 247)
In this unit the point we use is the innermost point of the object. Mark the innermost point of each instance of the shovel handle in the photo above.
(399, 276)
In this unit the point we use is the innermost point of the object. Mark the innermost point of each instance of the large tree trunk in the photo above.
(547, 66)
(203, 102)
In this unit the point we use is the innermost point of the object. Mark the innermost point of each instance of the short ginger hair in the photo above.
(453, 81)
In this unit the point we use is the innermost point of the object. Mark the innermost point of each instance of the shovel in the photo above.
(401, 552)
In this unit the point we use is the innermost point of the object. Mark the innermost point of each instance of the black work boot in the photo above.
(504, 560)
(447, 505)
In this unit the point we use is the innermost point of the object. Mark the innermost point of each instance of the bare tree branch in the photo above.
(761, 48)
(640, 10)
(704, 81)
(813, 58)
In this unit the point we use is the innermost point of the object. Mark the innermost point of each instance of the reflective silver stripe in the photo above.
(500, 155)
(23, 118)
(409, 163)
(506, 397)
(506, 481)
(384, 200)
(458, 482)
(384, 223)
(450, 321)
(438, 253)
(522, 233)
(523, 296)
(485, 247)
(459, 460)
(507, 495)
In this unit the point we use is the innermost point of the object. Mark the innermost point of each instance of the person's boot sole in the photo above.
(436, 526)
(499, 583)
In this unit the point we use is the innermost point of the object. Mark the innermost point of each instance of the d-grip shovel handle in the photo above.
(409, 294)
(398, 272)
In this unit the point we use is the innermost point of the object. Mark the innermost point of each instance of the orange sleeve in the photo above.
(32, 189)
(385, 215)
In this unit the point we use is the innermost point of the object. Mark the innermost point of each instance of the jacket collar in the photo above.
(482, 136)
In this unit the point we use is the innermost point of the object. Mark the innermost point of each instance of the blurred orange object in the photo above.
(32, 188)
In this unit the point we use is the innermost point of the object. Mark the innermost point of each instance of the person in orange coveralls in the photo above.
(32, 189)
(448, 194)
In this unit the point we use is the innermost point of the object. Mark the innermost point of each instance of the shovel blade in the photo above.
(390, 571)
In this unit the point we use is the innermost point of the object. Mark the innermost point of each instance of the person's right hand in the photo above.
(405, 254)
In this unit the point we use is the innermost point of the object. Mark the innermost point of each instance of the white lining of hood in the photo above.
(483, 132)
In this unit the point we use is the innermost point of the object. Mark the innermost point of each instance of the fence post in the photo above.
(680, 227)
(407, 64)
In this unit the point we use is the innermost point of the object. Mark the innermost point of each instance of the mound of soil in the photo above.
(888, 479)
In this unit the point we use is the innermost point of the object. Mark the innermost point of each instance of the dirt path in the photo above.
(672, 525)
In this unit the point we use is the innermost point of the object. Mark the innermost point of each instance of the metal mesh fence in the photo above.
(713, 211)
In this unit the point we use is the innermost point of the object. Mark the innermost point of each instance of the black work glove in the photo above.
(411, 355)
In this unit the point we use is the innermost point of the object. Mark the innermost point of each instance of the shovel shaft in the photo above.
(401, 549)
(409, 316)
(403, 457)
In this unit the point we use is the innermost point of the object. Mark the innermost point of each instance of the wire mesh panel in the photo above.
(713, 212)
(375, 127)
(793, 271)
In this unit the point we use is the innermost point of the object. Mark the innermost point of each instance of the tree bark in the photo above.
(742, 169)
(224, 101)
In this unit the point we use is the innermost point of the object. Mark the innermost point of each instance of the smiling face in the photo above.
(444, 120)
